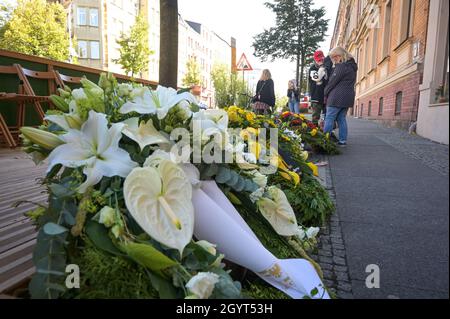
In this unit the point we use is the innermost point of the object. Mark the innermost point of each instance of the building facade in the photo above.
(433, 118)
(388, 39)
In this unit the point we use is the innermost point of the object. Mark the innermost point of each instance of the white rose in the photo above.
(260, 179)
(312, 232)
(107, 216)
(301, 233)
(202, 284)
(210, 248)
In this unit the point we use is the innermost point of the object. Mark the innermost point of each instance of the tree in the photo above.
(168, 56)
(193, 76)
(229, 89)
(298, 32)
(134, 49)
(38, 28)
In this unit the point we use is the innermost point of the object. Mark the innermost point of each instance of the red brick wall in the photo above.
(410, 88)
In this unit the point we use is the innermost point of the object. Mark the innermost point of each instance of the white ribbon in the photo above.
(217, 221)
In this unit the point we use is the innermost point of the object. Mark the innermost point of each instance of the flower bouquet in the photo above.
(137, 182)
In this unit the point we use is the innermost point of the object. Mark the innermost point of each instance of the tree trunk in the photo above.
(302, 70)
(168, 56)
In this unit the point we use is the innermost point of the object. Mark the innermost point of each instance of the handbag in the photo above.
(257, 97)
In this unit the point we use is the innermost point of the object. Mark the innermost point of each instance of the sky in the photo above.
(243, 19)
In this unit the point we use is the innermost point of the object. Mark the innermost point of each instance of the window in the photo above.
(387, 29)
(362, 110)
(398, 103)
(81, 16)
(93, 17)
(369, 111)
(95, 50)
(406, 19)
(82, 49)
(380, 107)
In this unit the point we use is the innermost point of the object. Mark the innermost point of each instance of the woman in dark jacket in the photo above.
(264, 100)
(340, 92)
(294, 97)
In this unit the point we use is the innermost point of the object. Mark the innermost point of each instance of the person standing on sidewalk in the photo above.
(318, 78)
(294, 97)
(340, 92)
(264, 100)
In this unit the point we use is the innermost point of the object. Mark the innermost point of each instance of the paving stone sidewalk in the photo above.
(392, 198)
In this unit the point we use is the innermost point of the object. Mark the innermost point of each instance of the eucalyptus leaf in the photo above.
(223, 176)
(53, 229)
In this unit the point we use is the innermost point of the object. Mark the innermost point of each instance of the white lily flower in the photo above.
(79, 94)
(155, 102)
(94, 147)
(202, 284)
(206, 245)
(312, 232)
(143, 133)
(160, 200)
(212, 119)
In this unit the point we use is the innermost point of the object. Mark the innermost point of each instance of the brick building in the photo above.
(388, 40)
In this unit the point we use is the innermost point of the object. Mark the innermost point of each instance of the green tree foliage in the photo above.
(36, 27)
(193, 76)
(229, 89)
(298, 33)
(134, 49)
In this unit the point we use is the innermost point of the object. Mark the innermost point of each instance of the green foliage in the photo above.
(193, 76)
(310, 201)
(298, 32)
(134, 49)
(108, 277)
(229, 89)
(37, 28)
(281, 102)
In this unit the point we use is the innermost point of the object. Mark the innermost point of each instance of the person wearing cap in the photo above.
(318, 78)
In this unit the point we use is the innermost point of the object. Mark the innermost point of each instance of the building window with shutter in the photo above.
(406, 20)
(369, 110)
(398, 103)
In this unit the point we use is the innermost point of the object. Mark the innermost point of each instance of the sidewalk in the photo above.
(392, 197)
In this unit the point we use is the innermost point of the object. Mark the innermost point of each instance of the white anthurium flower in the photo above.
(312, 232)
(156, 158)
(157, 102)
(278, 212)
(186, 107)
(160, 200)
(143, 133)
(202, 285)
(94, 147)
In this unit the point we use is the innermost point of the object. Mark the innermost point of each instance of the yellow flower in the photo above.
(250, 116)
(327, 136)
(286, 173)
(233, 116)
(304, 125)
(314, 132)
(314, 168)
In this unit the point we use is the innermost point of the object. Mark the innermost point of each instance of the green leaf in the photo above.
(223, 176)
(148, 256)
(100, 237)
(165, 289)
(53, 229)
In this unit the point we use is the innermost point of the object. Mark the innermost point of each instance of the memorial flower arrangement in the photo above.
(134, 176)
(310, 133)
